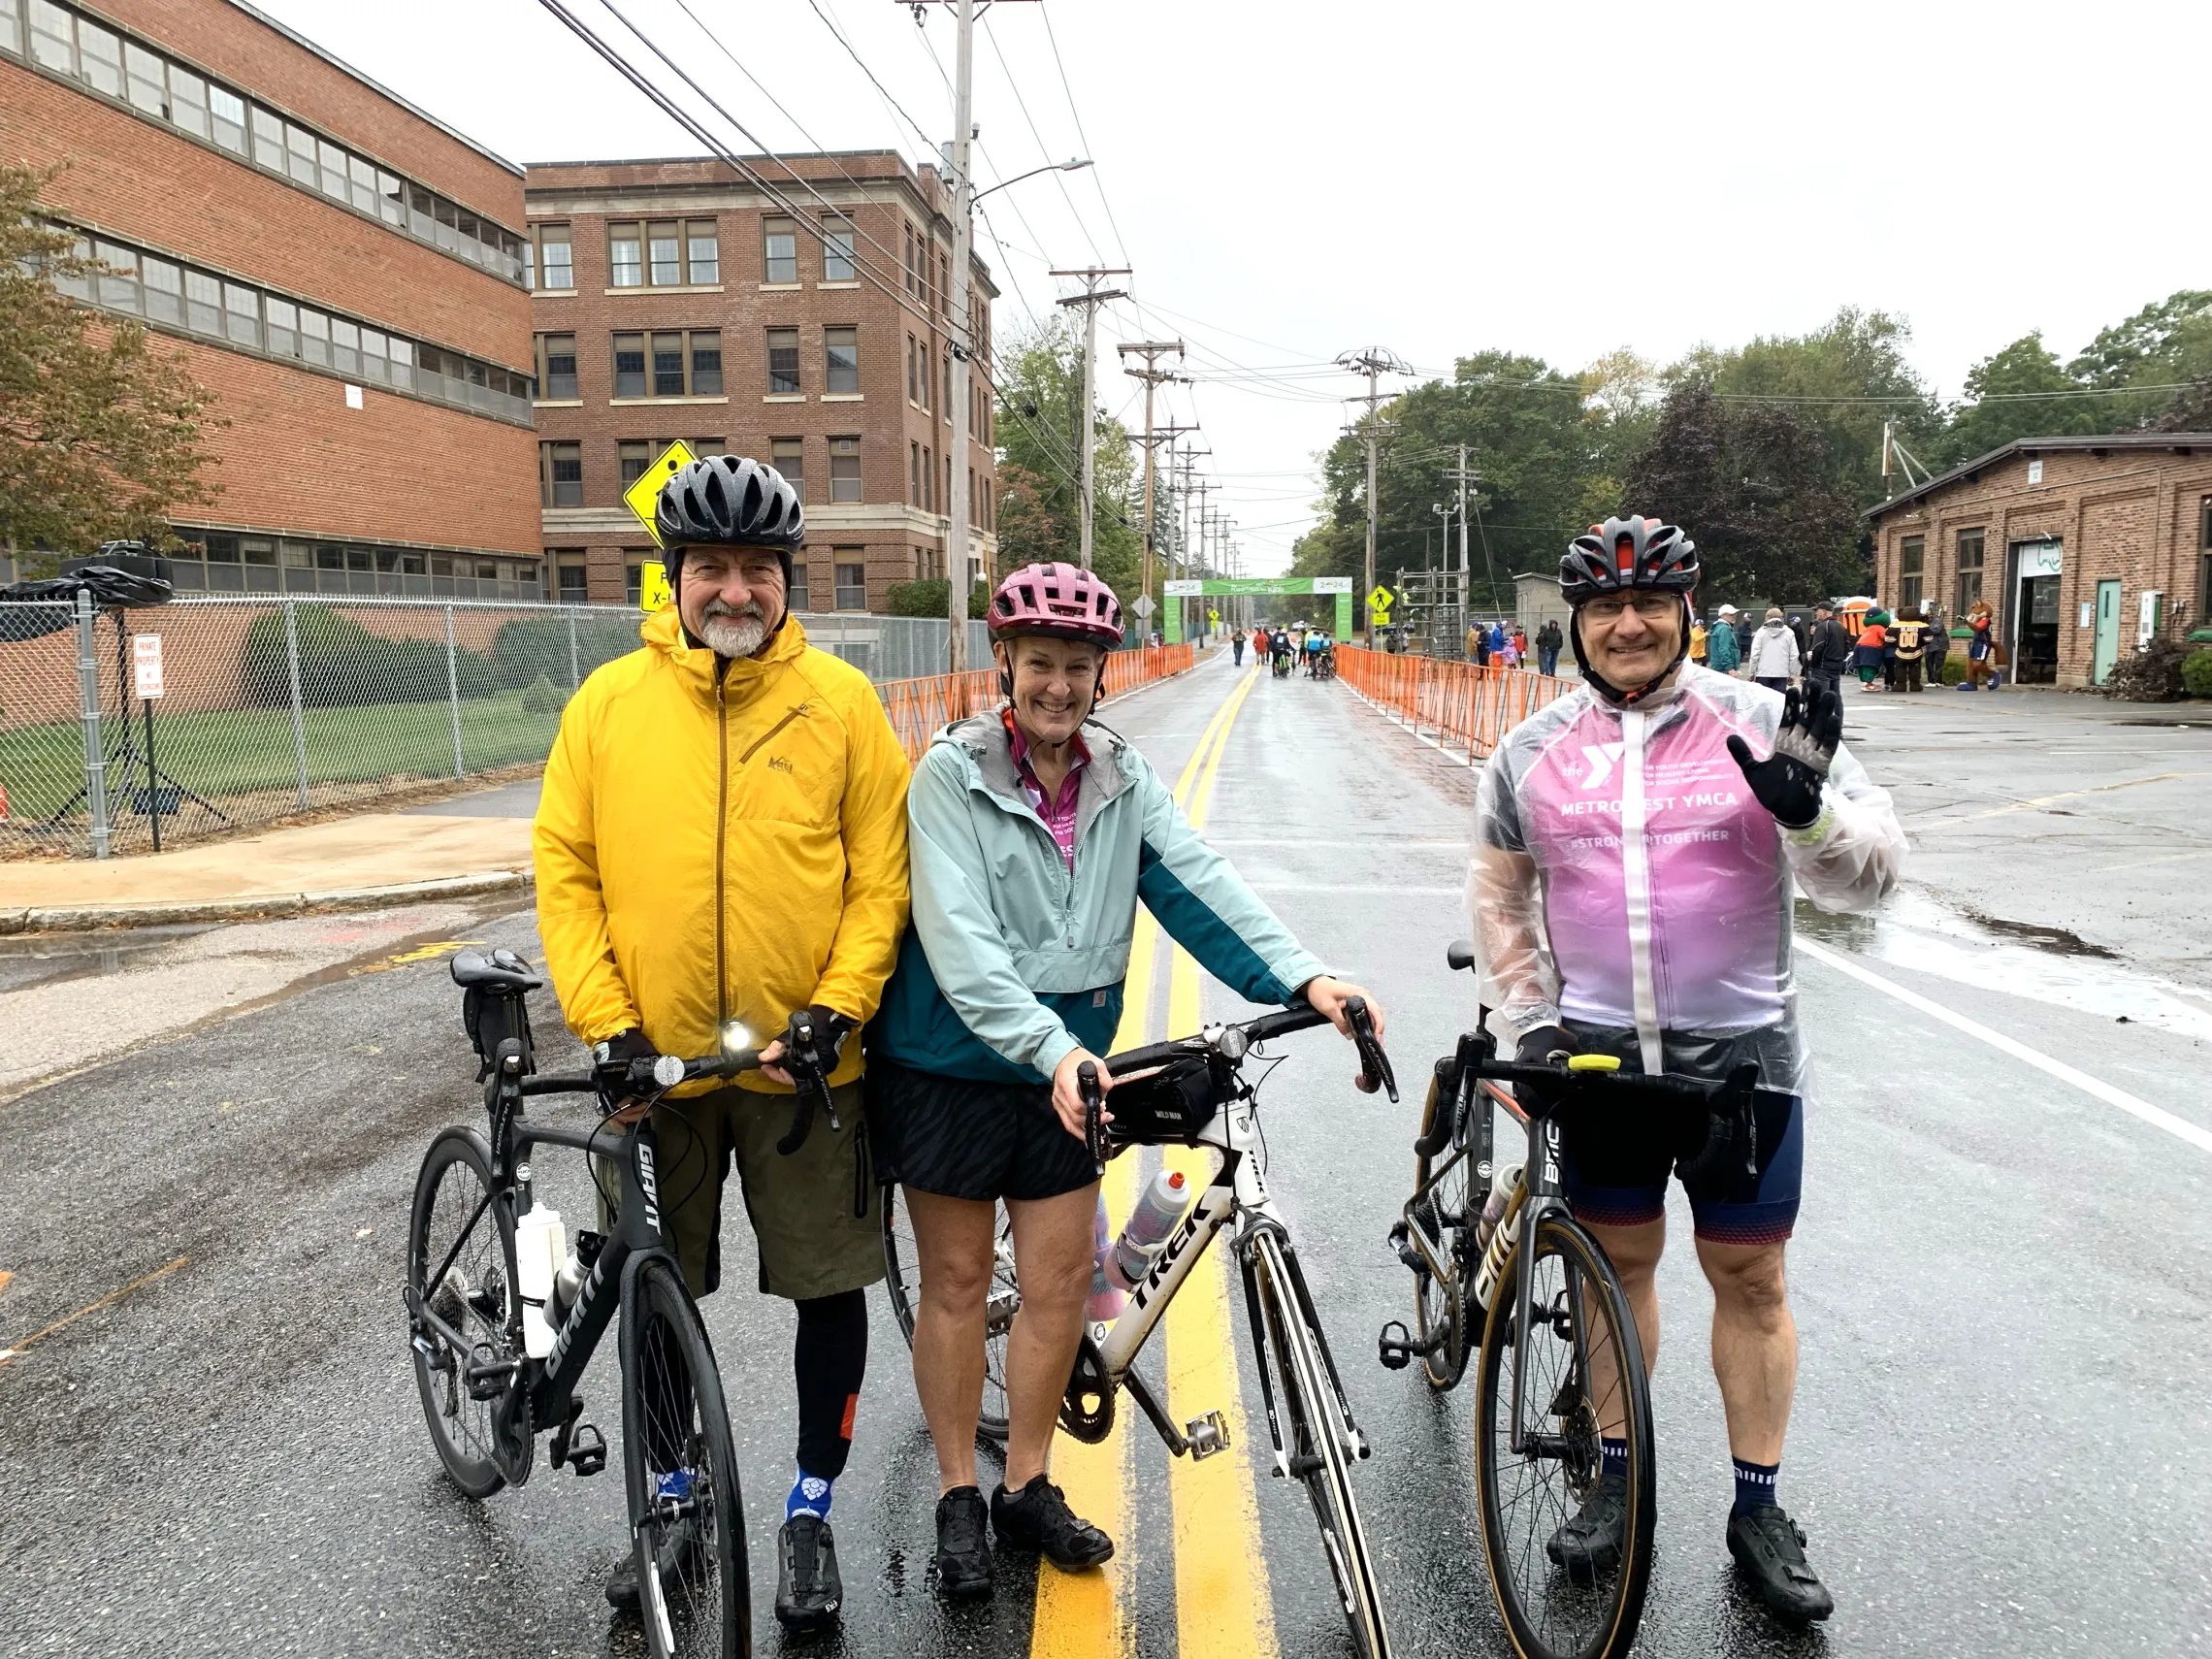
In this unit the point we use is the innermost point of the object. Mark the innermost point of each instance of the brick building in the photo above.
(2083, 546)
(675, 299)
(344, 271)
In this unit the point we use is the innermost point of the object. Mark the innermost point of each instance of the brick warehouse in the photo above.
(343, 271)
(2083, 548)
(674, 299)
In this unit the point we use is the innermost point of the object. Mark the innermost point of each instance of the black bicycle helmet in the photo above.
(1627, 555)
(731, 500)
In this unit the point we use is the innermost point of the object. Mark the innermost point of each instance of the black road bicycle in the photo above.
(1191, 1092)
(1543, 1403)
(487, 1398)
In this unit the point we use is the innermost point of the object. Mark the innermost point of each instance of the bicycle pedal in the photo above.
(587, 1451)
(1396, 1353)
(1207, 1435)
(1401, 1243)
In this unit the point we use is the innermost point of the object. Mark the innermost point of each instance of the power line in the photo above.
(1096, 180)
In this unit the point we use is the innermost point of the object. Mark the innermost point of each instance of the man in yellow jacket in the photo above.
(722, 840)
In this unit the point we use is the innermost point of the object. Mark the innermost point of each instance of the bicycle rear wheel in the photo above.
(680, 1467)
(1584, 1374)
(1311, 1422)
(902, 1279)
(475, 1297)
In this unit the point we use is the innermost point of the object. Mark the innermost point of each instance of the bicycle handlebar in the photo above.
(1727, 1101)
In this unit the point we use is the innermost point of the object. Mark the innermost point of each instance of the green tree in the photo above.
(100, 436)
(1753, 484)
(930, 598)
(2166, 344)
(1039, 440)
(2019, 392)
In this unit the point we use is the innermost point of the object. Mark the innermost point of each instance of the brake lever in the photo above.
(1086, 1086)
(1374, 1064)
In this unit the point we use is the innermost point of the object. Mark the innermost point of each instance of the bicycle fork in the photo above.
(1342, 1424)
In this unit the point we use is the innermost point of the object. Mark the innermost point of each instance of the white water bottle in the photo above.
(1502, 1185)
(1104, 1305)
(1148, 1227)
(541, 1246)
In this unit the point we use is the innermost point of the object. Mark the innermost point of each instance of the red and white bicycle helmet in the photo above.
(1059, 602)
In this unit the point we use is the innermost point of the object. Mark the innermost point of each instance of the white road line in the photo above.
(2157, 1117)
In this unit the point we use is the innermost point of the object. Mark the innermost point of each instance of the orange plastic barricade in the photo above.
(1465, 709)
(920, 709)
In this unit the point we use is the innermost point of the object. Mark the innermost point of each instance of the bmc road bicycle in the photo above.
(470, 1309)
(1493, 1259)
(1191, 1092)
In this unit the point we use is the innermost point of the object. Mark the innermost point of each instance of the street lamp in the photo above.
(1054, 167)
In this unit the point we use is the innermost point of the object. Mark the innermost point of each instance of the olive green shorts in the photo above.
(801, 1207)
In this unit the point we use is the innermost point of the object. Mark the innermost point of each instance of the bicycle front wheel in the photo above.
(902, 1279)
(1581, 1380)
(680, 1466)
(1440, 1305)
(1313, 1429)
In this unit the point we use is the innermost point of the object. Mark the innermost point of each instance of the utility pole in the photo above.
(962, 331)
(1152, 375)
(1374, 363)
(1154, 437)
(1462, 476)
(1091, 299)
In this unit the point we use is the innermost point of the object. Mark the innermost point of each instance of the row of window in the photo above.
(561, 464)
(681, 253)
(180, 297)
(686, 363)
(95, 54)
(218, 562)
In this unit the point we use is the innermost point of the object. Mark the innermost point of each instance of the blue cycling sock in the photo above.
(1613, 1458)
(809, 1496)
(1754, 1484)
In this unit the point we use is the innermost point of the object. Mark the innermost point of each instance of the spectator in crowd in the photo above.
(1745, 629)
(1475, 649)
(1866, 657)
(1236, 648)
(1939, 643)
(1547, 643)
(1498, 638)
(1724, 651)
(1520, 645)
(1697, 642)
(1828, 651)
(1797, 627)
(1775, 657)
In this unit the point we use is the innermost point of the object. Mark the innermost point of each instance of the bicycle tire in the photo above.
(902, 1280)
(1443, 1307)
(1550, 1614)
(699, 1604)
(478, 1298)
(1309, 1412)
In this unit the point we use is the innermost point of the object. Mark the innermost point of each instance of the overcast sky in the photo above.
(1291, 181)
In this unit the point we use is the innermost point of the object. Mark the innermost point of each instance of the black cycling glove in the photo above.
(611, 1058)
(1538, 1047)
(815, 1036)
(1788, 781)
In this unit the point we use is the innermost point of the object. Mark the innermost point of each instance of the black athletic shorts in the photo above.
(959, 1138)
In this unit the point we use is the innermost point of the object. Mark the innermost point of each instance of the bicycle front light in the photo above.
(735, 1039)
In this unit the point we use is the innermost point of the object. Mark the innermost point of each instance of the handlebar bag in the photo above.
(1173, 1104)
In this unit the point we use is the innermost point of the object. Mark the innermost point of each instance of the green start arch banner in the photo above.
(1338, 587)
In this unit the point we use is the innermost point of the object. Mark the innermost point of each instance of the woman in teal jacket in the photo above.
(1032, 836)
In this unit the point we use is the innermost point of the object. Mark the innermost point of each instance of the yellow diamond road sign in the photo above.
(645, 494)
(1379, 602)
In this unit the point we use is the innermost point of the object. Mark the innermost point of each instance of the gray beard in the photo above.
(733, 634)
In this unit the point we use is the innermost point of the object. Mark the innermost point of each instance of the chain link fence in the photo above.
(271, 707)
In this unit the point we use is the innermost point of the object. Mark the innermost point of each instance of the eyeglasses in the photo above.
(1649, 607)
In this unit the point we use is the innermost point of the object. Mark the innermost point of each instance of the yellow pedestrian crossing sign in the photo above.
(1378, 603)
(643, 496)
(653, 590)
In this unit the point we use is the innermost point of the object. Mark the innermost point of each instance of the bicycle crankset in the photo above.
(1088, 1409)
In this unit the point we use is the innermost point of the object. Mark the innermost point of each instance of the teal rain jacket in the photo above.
(1009, 962)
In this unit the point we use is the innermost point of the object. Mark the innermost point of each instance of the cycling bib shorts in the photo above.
(1614, 1166)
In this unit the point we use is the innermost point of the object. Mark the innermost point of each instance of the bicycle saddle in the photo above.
(501, 970)
(1459, 954)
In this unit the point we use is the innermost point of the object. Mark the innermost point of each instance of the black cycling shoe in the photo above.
(1037, 1518)
(1770, 1547)
(1592, 1540)
(808, 1590)
(677, 1545)
(963, 1545)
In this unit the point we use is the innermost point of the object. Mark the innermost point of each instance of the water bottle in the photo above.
(1148, 1225)
(567, 1285)
(1495, 1233)
(1502, 1186)
(1107, 1299)
(540, 1245)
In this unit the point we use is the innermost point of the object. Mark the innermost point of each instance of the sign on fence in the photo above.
(145, 664)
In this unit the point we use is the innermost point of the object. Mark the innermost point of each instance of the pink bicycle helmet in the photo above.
(1059, 602)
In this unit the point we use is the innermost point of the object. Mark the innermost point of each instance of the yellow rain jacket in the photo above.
(721, 841)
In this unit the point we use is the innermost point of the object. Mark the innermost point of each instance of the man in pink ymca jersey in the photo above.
(1634, 848)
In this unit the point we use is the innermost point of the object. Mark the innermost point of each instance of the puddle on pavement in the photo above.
(46, 957)
(2044, 964)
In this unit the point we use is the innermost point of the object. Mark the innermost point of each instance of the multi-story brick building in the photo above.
(341, 270)
(2082, 546)
(677, 299)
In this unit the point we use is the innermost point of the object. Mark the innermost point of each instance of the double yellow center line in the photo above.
(1222, 1608)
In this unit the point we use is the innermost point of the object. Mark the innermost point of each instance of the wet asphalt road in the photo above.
(2002, 1431)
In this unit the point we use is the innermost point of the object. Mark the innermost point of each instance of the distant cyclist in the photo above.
(1635, 846)
(1035, 833)
(723, 838)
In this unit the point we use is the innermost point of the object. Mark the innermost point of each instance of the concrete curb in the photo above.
(86, 917)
